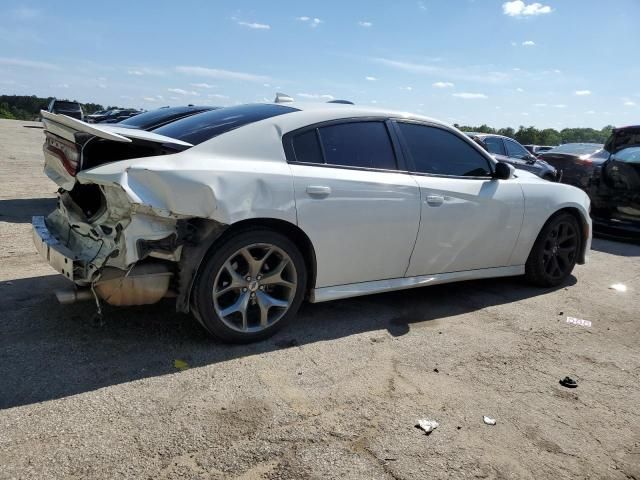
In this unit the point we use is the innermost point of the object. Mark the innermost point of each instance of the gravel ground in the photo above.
(337, 395)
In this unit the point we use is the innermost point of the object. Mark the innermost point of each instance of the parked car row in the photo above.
(505, 149)
(112, 116)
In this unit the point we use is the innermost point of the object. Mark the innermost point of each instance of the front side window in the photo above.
(440, 152)
(358, 144)
(494, 145)
(516, 150)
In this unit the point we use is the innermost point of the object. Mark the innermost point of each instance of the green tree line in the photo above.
(547, 136)
(27, 107)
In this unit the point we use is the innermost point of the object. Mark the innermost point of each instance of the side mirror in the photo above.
(503, 171)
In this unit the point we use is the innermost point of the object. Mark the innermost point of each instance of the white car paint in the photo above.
(371, 231)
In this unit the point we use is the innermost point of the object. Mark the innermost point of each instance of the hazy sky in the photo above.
(551, 64)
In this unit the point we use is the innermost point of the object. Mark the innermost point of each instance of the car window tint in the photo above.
(437, 151)
(204, 126)
(515, 150)
(494, 145)
(358, 144)
(307, 148)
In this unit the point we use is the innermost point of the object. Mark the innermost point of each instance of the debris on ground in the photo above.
(180, 364)
(568, 382)
(489, 420)
(579, 321)
(427, 425)
(618, 287)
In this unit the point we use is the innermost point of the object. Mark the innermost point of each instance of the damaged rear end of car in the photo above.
(102, 236)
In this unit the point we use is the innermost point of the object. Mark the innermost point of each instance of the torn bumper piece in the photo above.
(54, 252)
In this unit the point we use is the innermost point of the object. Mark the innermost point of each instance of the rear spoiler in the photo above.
(66, 127)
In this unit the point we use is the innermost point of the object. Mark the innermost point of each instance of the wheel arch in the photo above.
(214, 233)
(582, 222)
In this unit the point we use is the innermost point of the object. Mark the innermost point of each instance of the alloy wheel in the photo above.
(254, 288)
(560, 249)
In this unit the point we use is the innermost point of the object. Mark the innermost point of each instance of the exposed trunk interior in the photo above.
(98, 151)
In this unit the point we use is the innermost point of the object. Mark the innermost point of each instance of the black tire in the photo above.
(215, 266)
(555, 251)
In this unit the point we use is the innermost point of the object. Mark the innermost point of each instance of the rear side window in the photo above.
(494, 145)
(204, 126)
(439, 152)
(358, 144)
(307, 147)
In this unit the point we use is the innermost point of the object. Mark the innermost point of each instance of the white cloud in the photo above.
(590, 112)
(629, 103)
(61, 85)
(518, 8)
(371, 79)
(473, 74)
(442, 85)
(149, 99)
(102, 85)
(145, 71)
(25, 13)
(202, 85)
(520, 90)
(217, 95)
(408, 89)
(312, 22)
(266, 85)
(315, 96)
(20, 62)
(540, 105)
(525, 114)
(255, 26)
(221, 74)
(529, 43)
(365, 24)
(181, 91)
(470, 96)
(583, 93)
(559, 105)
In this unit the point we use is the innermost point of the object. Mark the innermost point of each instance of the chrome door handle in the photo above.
(435, 200)
(318, 190)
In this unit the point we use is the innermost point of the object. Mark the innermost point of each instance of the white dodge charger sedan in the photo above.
(241, 213)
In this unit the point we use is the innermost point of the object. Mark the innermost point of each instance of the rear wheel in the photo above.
(555, 252)
(250, 286)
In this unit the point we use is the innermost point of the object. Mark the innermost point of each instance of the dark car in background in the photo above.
(615, 186)
(91, 117)
(506, 149)
(114, 115)
(66, 107)
(162, 116)
(575, 162)
(538, 149)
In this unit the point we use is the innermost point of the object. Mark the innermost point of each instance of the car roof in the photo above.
(340, 110)
(480, 134)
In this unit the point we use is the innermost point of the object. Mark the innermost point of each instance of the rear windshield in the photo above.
(577, 148)
(62, 105)
(161, 115)
(204, 126)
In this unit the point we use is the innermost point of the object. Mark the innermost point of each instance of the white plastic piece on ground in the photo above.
(428, 425)
(489, 420)
(579, 321)
(618, 287)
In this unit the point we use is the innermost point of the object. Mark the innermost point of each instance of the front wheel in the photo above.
(555, 252)
(251, 285)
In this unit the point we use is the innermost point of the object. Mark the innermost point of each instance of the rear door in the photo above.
(469, 220)
(356, 204)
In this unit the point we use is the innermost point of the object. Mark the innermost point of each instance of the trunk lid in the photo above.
(66, 139)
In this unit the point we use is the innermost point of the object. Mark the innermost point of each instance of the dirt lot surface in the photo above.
(337, 395)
